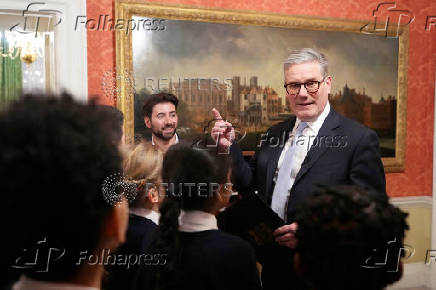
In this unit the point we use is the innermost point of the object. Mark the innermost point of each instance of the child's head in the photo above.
(56, 155)
(196, 179)
(343, 235)
(143, 165)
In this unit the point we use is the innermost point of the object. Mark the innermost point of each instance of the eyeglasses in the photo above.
(311, 87)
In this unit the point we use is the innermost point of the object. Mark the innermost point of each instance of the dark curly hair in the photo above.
(183, 165)
(339, 229)
(116, 119)
(55, 155)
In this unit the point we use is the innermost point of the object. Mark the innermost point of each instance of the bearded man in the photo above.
(160, 115)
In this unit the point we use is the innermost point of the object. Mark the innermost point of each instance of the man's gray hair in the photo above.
(304, 55)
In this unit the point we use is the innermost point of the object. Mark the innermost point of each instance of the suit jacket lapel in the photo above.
(315, 152)
(272, 166)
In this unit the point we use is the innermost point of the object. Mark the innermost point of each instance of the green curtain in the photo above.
(11, 80)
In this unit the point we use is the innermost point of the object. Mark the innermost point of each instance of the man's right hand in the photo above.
(285, 235)
(222, 132)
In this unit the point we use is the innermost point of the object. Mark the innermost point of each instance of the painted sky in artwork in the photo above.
(188, 49)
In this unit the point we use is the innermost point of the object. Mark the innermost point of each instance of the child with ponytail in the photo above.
(199, 255)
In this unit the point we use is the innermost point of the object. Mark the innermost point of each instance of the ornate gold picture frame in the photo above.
(386, 112)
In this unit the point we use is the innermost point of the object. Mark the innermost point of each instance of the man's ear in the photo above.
(147, 122)
(328, 81)
(153, 195)
(116, 223)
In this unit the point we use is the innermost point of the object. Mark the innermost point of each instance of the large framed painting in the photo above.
(233, 61)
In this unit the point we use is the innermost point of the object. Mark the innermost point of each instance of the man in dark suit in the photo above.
(316, 147)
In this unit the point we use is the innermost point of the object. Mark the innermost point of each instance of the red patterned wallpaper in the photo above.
(417, 177)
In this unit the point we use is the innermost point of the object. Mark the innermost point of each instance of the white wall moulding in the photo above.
(419, 209)
(70, 49)
(413, 201)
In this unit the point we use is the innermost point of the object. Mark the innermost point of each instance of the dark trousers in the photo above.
(278, 269)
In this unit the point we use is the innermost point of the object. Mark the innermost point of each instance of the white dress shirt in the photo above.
(196, 221)
(147, 213)
(303, 144)
(175, 142)
(26, 283)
